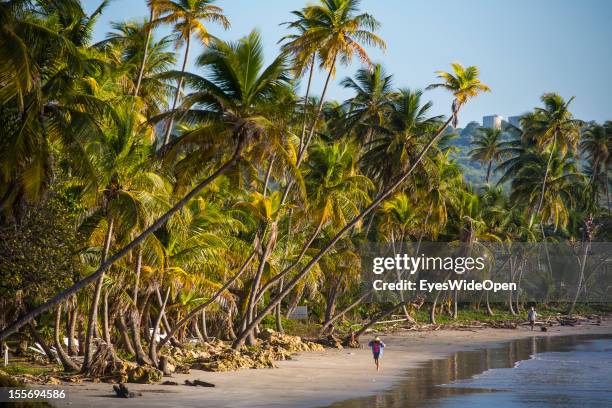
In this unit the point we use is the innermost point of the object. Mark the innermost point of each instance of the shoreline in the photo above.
(316, 378)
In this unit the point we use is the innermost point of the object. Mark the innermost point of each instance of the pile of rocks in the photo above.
(272, 347)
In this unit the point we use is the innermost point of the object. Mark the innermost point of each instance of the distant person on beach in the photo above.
(531, 316)
(377, 347)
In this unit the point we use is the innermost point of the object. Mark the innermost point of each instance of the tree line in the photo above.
(137, 198)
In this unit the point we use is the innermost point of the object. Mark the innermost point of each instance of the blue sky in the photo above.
(522, 47)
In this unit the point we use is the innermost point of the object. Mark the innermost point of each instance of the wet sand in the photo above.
(313, 379)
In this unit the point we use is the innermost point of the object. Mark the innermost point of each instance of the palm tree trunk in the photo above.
(203, 306)
(312, 65)
(153, 340)
(13, 327)
(145, 53)
(93, 311)
(179, 90)
(273, 302)
(123, 332)
(134, 323)
(105, 320)
(204, 328)
(67, 362)
(489, 168)
(488, 305)
(43, 344)
(278, 315)
(550, 156)
(376, 319)
(608, 192)
(73, 350)
(319, 109)
(587, 246)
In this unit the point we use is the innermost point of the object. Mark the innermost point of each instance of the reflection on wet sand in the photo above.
(422, 386)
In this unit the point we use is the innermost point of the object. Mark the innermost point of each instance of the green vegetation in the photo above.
(210, 201)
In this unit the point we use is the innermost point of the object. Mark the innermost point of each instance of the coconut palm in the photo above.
(596, 145)
(186, 17)
(394, 147)
(551, 128)
(372, 103)
(463, 92)
(463, 83)
(488, 147)
(333, 30)
(563, 183)
(124, 47)
(45, 75)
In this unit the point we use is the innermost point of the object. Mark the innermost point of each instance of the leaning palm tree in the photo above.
(469, 87)
(186, 16)
(227, 110)
(488, 147)
(333, 30)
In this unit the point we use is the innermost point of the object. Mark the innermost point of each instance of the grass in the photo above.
(20, 369)
(293, 327)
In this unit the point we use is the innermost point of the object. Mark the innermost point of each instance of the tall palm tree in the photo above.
(120, 192)
(186, 17)
(335, 31)
(124, 47)
(596, 144)
(563, 184)
(552, 128)
(488, 147)
(463, 83)
(372, 103)
(228, 106)
(394, 147)
(469, 87)
(45, 71)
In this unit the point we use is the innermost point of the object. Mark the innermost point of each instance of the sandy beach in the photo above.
(313, 379)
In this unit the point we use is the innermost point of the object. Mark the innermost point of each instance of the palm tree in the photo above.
(333, 30)
(393, 149)
(372, 103)
(463, 83)
(120, 192)
(563, 183)
(470, 86)
(231, 101)
(596, 144)
(551, 128)
(488, 147)
(186, 16)
(44, 74)
(124, 47)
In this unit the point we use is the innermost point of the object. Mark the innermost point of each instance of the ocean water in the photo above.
(541, 372)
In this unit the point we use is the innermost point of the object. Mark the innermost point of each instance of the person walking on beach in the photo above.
(377, 347)
(531, 316)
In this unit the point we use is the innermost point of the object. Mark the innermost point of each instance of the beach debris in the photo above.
(122, 391)
(543, 328)
(199, 383)
(272, 347)
(331, 341)
(167, 365)
(169, 383)
(144, 375)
